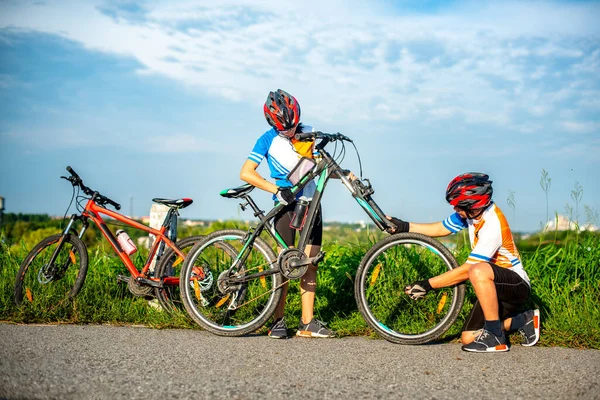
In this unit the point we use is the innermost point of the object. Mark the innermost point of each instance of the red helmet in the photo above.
(282, 110)
(470, 191)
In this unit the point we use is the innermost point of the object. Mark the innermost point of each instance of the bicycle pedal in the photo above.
(318, 258)
(123, 278)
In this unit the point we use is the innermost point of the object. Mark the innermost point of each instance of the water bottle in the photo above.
(126, 242)
(299, 213)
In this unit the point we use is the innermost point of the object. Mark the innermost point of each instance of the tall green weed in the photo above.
(564, 271)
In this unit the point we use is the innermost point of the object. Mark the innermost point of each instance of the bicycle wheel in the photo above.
(170, 266)
(386, 269)
(223, 307)
(46, 284)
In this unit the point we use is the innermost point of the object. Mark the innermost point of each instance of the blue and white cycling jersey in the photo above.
(282, 155)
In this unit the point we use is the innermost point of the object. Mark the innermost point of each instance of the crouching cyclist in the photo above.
(493, 267)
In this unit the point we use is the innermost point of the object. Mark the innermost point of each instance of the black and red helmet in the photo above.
(470, 191)
(282, 110)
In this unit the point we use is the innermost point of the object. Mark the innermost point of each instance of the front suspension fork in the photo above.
(52, 267)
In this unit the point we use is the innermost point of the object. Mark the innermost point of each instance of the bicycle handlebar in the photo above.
(99, 198)
(330, 137)
(73, 173)
(361, 191)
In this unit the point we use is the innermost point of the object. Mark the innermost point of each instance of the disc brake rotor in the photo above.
(203, 276)
(43, 275)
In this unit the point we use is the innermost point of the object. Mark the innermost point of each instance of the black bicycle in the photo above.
(231, 280)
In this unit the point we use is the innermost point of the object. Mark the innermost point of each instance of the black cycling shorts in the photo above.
(282, 226)
(512, 292)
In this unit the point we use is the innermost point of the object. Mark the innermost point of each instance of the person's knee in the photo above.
(312, 270)
(308, 281)
(480, 272)
(312, 250)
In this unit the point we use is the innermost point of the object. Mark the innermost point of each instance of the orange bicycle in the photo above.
(55, 269)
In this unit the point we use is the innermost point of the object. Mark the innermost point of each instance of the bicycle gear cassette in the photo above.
(225, 285)
(284, 261)
(234, 291)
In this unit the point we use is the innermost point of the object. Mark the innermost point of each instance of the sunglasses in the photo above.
(288, 131)
(471, 214)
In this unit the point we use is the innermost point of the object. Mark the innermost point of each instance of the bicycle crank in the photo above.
(139, 289)
(293, 263)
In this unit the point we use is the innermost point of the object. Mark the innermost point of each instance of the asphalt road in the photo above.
(108, 362)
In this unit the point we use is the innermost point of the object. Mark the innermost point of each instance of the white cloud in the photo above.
(333, 55)
(581, 127)
(6, 81)
(182, 143)
(529, 128)
(37, 137)
(538, 111)
(588, 152)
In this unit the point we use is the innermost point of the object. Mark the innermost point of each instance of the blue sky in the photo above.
(164, 99)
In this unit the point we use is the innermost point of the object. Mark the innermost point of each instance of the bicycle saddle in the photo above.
(178, 203)
(237, 192)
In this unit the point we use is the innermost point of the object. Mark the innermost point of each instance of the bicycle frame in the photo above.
(93, 211)
(325, 169)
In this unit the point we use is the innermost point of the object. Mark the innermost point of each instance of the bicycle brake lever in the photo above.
(70, 179)
(344, 137)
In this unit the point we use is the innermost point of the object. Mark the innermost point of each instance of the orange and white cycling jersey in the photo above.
(491, 239)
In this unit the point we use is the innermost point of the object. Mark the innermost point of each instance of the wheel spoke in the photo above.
(47, 282)
(386, 269)
(169, 267)
(235, 303)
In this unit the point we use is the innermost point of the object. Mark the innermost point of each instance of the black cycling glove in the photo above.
(418, 290)
(285, 196)
(401, 226)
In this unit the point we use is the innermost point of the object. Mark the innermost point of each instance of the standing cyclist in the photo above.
(282, 152)
(494, 267)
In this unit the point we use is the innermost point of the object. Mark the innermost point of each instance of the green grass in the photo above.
(564, 271)
(102, 299)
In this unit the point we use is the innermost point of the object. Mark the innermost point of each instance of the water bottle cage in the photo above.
(299, 216)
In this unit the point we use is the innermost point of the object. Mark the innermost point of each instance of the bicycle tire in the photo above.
(170, 265)
(33, 281)
(246, 307)
(386, 269)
